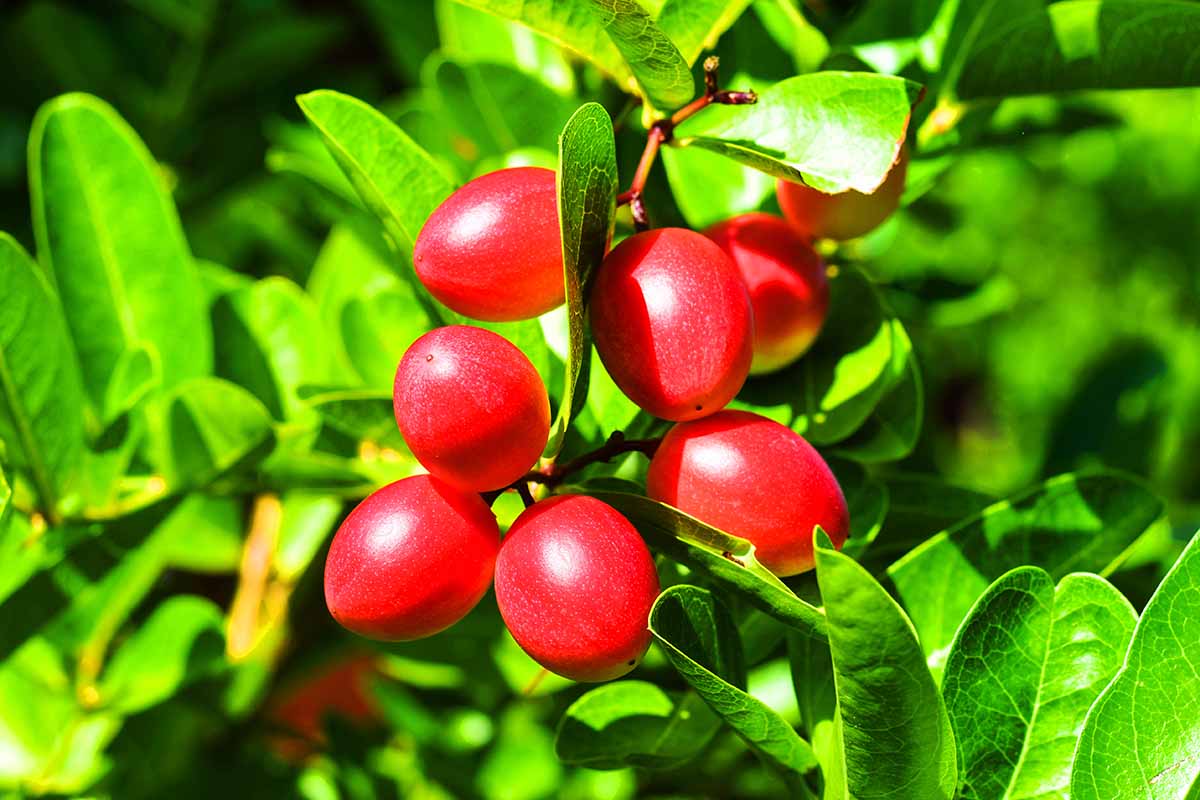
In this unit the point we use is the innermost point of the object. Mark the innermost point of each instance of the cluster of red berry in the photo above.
(680, 319)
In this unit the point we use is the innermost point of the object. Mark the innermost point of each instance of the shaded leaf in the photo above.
(663, 76)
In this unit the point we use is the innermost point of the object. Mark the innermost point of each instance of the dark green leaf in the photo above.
(365, 414)
(1025, 667)
(1140, 737)
(722, 557)
(895, 735)
(634, 723)
(694, 25)
(663, 76)
(41, 393)
(108, 232)
(891, 430)
(700, 639)
(587, 193)
(833, 130)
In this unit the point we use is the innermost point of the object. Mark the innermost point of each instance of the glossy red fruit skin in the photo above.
(846, 215)
(492, 250)
(411, 560)
(753, 478)
(786, 280)
(672, 323)
(471, 407)
(575, 584)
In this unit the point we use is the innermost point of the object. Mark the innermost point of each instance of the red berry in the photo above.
(411, 560)
(575, 583)
(472, 408)
(672, 322)
(845, 215)
(753, 478)
(786, 281)
(492, 250)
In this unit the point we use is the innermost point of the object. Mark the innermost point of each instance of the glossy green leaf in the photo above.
(861, 355)
(694, 25)
(1142, 737)
(108, 232)
(895, 735)
(41, 392)
(833, 130)
(663, 75)
(1024, 668)
(307, 521)
(701, 641)
(634, 723)
(469, 35)
(587, 195)
(1068, 524)
(182, 640)
(396, 179)
(724, 558)
(364, 414)
(1082, 44)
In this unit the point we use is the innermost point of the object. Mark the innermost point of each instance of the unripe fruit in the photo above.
(492, 249)
(786, 281)
(411, 560)
(471, 406)
(753, 478)
(575, 583)
(672, 323)
(845, 215)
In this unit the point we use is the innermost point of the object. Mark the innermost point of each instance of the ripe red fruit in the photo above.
(411, 560)
(672, 323)
(845, 215)
(492, 250)
(786, 281)
(575, 583)
(472, 408)
(753, 478)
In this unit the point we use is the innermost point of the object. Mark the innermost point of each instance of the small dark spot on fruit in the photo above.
(632, 661)
(699, 408)
(429, 357)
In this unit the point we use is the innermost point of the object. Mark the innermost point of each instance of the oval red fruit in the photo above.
(845, 215)
(471, 407)
(753, 478)
(575, 584)
(411, 560)
(786, 280)
(672, 323)
(492, 249)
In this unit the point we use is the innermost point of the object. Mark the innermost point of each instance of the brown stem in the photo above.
(556, 474)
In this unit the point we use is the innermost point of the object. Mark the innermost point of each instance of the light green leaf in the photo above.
(709, 188)
(1142, 737)
(182, 641)
(694, 25)
(135, 376)
(468, 35)
(587, 194)
(833, 130)
(108, 233)
(307, 521)
(663, 76)
(1025, 667)
(41, 392)
(1068, 524)
(634, 723)
(204, 534)
(891, 430)
(701, 641)
(896, 738)
(724, 558)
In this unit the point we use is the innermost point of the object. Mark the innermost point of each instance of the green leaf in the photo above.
(109, 234)
(364, 414)
(895, 734)
(469, 35)
(663, 77)
(41, 392)
(891, 430)
(307, 521)
(1140, 738)
(694, 25)
(1082, 44)
(1025, 667)
(397, 180)
(182, 641)
(587, 195)
(204, 534)
(709, 188)
(135, 377)
(1070, 523)
(863, 352)
(269, 339)
(724, 558)
(833, 130)
(701, 641)
(634, 723)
